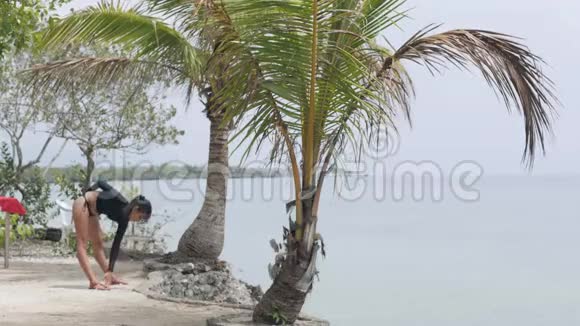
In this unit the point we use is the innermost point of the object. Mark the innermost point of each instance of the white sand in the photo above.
(54, 292)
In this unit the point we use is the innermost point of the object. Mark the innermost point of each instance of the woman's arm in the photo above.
(117, 244)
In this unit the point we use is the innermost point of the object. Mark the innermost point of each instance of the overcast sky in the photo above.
(456, 117)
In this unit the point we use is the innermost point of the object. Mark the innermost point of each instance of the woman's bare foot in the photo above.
(111, 279)
(98, 286)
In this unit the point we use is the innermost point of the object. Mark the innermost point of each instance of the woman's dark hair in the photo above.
(143, 205)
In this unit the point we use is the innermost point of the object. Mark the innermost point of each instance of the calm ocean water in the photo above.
(509, 258)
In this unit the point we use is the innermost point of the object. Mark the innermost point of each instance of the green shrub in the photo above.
(19, 230)
(27, 185)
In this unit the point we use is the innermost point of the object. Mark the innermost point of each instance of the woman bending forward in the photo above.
(86, 211)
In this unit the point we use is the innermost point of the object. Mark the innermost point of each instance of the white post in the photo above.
(6, 240)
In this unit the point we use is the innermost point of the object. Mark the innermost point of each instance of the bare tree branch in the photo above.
(54, 158)
(39, 157)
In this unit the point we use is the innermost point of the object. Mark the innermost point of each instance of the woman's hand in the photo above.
(111, 279)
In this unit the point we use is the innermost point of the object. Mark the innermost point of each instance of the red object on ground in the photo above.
(12, 206)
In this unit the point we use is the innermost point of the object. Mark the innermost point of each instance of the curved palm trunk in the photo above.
(283, 301)
(205, 236)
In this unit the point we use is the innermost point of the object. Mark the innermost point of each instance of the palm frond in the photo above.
(278, 36)
(378, 15)
(100, 71)
(145, 36)
(508, 67)
(187, 15)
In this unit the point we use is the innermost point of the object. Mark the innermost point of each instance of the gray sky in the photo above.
(456, 116)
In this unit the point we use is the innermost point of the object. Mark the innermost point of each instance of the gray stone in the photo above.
(201, 279)
(233, 300)
(175, 292)
(179, 279)
(189, 268)
(150, 265)
(205, 288)
(214, 279)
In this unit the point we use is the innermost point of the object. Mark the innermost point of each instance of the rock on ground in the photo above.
(202, 281)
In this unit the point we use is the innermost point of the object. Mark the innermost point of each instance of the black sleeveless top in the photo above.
(111, 203)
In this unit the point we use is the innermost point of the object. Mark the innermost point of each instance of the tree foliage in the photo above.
(103, 116)
(21, 112)
(19, 20)
(32, 189)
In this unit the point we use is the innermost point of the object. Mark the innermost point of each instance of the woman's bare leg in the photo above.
(96, 237)
(81, 222)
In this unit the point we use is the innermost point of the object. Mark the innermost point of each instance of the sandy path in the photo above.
(56, 294)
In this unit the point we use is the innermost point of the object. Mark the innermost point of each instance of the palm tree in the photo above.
(157, 49)
(321, 83)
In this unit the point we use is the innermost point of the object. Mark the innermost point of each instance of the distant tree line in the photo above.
(164, 171)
